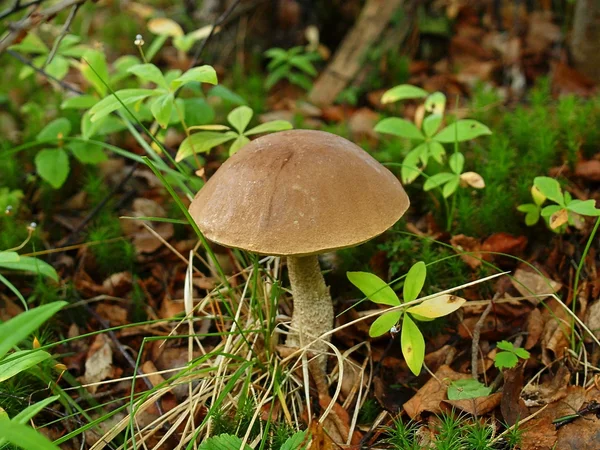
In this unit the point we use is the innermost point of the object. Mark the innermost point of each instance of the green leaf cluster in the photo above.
(467, 389)
(509, 356)
(61, 61)
(161, 98)
(294, 65)
(210, 136)
(13, 261)
(429, 138)
(230, 442)
(565, 210)
(412, 341)
(52, 162)
(15, 430)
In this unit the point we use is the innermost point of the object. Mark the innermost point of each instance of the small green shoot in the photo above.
(467, 389)
(295, 65)
(161, 98)
(430, 140)
(52, 164)
(213, 135)
(509, 357)
(564, 212)
(412, 341)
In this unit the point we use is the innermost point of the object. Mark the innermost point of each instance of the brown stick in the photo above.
(33, 20)
(349, 58)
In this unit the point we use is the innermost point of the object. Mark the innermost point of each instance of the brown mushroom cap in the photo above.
(298, 192)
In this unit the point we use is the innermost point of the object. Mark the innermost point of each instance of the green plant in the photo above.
(295, 65)
(52, 163)
(509, 356)
(55, 61)
(412, 341)
(402, 436)
(161, 99)
(13, 261)
(467, 389)
(14, 331)
(213, 135)
(227, 441)
(566, 211)
(430, 140)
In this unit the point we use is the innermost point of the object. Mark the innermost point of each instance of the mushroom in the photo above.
(298, 194)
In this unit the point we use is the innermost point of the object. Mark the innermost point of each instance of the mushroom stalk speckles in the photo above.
(313, 309)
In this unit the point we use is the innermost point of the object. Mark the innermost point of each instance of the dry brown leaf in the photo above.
(150, 369)
(592, 320)
(504, 243)
(99, 364)
(588, 170)
(462, 243)
(319, 439)
(478, 406)
(555, 337)
(143, 240)
(430, 397)
(530, 283)
(118, 284)
(512, 405)
(549, 391)
(116, 315)
(535, 327)
(542, 32)
(362, 123)
(539, 434)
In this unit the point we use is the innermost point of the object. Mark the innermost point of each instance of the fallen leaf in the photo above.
(530, 284)
(512, 405)
(556, 329)
(549, 391)
(98, 365)
(430, 397)
(535, 328)
(472, 179)
(471, 246)
(539, 434)
(592, 320)
(479, 405)
(504, 243)
(362, 123)
(588, 170)
(116, 315)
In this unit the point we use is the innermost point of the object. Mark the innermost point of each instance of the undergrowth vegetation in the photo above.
(106, 339)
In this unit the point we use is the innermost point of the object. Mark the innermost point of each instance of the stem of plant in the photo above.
(577, 276)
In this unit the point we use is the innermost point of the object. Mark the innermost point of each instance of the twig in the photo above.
(33, 20)
(217, 23)
(69, 239)
(63, 33)
(42, 72)
(123, 351)
(18, 6)
(476, 336)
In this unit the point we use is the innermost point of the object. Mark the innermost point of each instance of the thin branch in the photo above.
(18, 6)
(217, 23)
(42, 72)
(34, 20)
(66, 28)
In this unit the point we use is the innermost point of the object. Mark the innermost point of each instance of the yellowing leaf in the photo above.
(559, 218)
(438, 306)
(473, 179)
(165, 27)
(413, 345)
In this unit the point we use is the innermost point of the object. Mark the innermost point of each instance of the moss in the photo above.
(111, 257)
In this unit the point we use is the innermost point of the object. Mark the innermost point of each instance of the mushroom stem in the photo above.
(313, 308)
